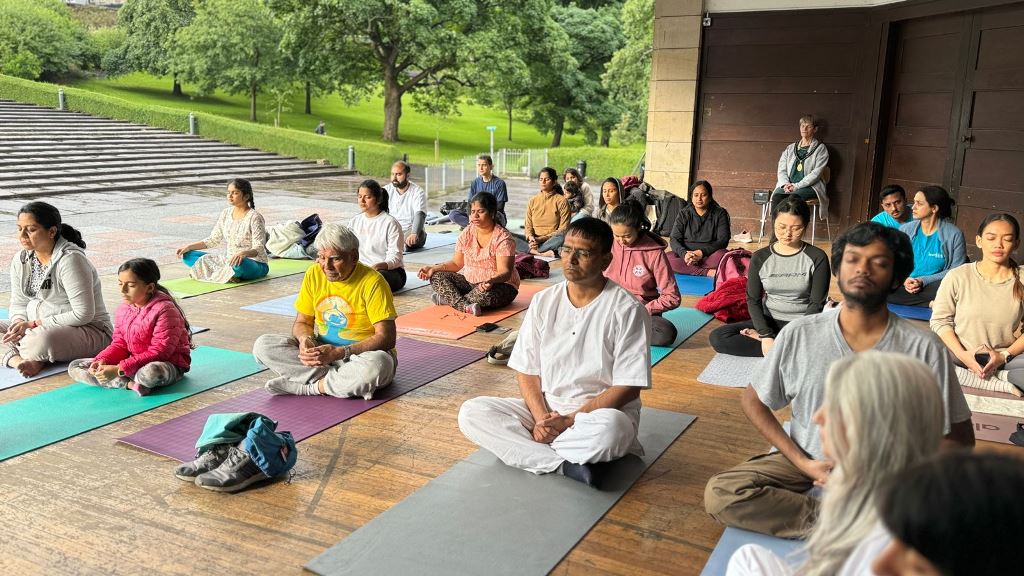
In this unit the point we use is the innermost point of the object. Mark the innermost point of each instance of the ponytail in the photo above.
(149, 272)
(188, 327)
(71, 234)
(1018, 285)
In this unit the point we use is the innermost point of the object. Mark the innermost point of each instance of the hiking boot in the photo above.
(438, 299)
(206, 461)
(235, 473)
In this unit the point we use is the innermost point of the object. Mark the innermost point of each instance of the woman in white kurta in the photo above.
(243, 232)
(381, 242)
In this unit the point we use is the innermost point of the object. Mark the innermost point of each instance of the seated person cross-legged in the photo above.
(581, 360)
(768, 493)
(407, 202)
(882, 413)
(640, 265)
(547, 215)
(979, 310)
(381, 244)
(801, 166)
(939, 246)
(787, 279)
(343, 340)
(485, 182)
(700, 233)
(485, 253)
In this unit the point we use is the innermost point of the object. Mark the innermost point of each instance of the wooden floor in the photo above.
(89, 506)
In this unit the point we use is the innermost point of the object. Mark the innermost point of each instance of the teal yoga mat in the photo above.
(687, 321)
(43, 419)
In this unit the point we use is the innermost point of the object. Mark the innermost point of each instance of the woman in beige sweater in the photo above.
(979, 309)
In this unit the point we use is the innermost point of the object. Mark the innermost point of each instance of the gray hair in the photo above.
(883, 413)
(337, 237)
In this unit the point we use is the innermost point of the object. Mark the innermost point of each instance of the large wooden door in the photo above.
(988, 159)
(956, 114)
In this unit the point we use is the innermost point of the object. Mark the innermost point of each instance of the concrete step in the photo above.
(128, 160)
(66, 172)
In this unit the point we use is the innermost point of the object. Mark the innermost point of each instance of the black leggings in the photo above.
(663, 332)
(922, 298)
(395, 278)
(728, 340)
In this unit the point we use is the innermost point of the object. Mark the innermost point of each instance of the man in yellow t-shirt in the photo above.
(343, 339)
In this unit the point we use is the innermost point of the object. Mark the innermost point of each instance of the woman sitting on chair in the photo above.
(801, 168)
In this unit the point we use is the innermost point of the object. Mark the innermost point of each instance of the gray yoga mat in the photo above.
(481, 517)
(729, 370)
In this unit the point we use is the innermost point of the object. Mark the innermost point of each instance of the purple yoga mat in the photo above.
(419, 362)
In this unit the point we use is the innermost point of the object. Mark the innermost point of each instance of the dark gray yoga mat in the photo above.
(481, 517)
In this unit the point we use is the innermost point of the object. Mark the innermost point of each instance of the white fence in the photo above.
(457, 174)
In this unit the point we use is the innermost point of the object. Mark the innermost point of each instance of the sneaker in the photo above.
(282, 386)
(473, 309)
(206, 461)
(438, 299)
(743, 237)
(502, 351)
(235, 473)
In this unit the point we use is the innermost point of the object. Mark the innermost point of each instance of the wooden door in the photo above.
(988, 159)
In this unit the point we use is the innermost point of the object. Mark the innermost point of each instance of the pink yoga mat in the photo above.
(994, 427)
(418, 363)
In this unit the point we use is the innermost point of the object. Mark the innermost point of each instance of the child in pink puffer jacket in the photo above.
(152, 340)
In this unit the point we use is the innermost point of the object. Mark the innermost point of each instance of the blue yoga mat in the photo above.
(40, 420)
(687, 321)
(695, 285)
(911, 312)
(733, 538)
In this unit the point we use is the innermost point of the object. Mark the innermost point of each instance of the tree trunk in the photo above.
(309, 95)
(508, 107)
(556, 139)
(606, 137)
(252, 103)
(176, 90)
(392, 106)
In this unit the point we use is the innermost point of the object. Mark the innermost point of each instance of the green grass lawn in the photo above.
(460, 135)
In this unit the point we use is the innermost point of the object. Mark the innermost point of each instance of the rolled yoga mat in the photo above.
(285, 305)
(481, 516)
(36, 421)
(447, 323)
(733, 538)
(729, 370)
(687, 322)
(187, 287)
(694, 285)
(418, 363)
(911, 312)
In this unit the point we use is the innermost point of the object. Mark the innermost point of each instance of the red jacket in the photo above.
(728, 303)
(643, 269)
(154, 333)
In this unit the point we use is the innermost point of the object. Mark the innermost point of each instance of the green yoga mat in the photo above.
(43, 419)
(187, 287)
(687, 321)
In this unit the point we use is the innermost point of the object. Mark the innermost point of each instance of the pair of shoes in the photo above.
(473, 309)
(500, 353)
(743, 237)
(236, 471)
(438, 299)
(206, 461)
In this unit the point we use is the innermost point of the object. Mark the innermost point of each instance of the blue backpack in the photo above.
(274, 452)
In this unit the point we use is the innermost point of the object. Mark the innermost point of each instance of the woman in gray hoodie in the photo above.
(57, 312)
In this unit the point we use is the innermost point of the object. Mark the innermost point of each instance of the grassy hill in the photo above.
(460, 135)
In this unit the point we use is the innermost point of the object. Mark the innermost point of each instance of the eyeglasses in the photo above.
(794, 229)
(581, 253)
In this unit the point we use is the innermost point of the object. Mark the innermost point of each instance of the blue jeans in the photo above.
(249, 269)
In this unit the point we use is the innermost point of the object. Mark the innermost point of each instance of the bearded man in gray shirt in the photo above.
(769, 493)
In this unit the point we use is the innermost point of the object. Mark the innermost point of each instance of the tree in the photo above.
(233, 45)
(305, 44)
(150, 27)
(39, 38)
(628, 73)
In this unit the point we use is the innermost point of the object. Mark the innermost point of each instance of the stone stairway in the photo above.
(45, 151)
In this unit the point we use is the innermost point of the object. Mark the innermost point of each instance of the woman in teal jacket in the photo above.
(939, 246)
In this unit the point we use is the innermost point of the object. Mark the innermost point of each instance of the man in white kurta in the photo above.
(582, 357)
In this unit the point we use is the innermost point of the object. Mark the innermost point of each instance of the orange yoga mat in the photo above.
(447, 323)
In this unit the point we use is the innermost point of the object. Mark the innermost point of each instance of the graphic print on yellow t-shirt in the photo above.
(344, 312)
(332, 320)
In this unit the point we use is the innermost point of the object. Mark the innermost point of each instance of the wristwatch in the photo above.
(1007, 356)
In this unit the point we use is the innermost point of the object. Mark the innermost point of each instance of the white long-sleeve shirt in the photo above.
(380, 239)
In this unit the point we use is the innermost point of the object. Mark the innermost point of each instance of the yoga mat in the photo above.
(733, 538)
(911, 312)
(4, 314)
(994, 427)
(436, 240)
(419, 362)
(187, 287)
(729, 370)
(482, 517)
(695, 285)
(43, 419)
(285, 305)
(687, 321)
(998, 405)
(447, 323)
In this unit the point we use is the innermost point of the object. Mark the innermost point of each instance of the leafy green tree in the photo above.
(233, 45)
(39, 38)
(150, 27)
(306, 44)
(629, 70)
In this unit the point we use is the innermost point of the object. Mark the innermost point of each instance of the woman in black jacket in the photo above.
(700, 234)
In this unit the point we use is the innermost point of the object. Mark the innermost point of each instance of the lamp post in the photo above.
(491, 130)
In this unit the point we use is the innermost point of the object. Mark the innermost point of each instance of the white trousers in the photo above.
(755, 560)
(504, 427)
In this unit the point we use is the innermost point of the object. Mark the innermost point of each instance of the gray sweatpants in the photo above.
(152, 375)
(57, 344)
(361, 376)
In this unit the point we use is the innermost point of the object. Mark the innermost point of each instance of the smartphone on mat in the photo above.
(487, 327)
